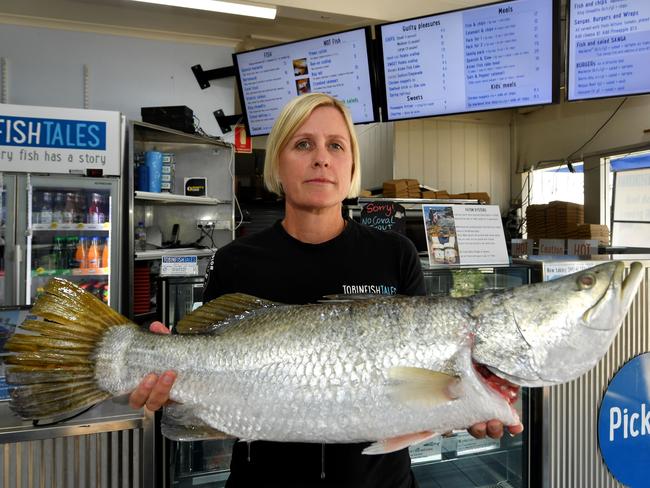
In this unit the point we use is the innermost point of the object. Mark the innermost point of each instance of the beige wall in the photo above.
(457, 154)
(554, 132)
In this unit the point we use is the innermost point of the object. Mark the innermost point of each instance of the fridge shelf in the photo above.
(173, 198)
(181, 251)
(71, 272)
(106, 226)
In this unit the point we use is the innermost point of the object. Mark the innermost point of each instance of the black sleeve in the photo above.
(412, 277)
(216, 282)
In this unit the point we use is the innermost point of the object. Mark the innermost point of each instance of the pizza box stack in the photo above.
(536, 221)
(593, 231)
(563, 218)
(402, 188)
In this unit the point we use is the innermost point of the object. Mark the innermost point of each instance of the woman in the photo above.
(312, 160)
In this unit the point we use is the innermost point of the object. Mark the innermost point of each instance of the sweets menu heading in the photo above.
(484, 58)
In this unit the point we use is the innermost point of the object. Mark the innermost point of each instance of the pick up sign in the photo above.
(624, 423)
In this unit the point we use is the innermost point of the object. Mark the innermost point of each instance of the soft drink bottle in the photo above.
(93, 258)
(69, 210)
(58, 251)
(59, 205)
(80, 253)
(45, 213)
(80, 205)
(95, 213)
(71, 244)
(105, 253)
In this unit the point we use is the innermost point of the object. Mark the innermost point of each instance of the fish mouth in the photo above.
(502, 387)
(627, 287)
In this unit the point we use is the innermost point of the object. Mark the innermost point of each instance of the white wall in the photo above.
(555, 131)
(457, 155)
(45, 67)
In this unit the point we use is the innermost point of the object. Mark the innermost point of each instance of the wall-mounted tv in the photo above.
(337, 64)
(496, 56)
(609, 48)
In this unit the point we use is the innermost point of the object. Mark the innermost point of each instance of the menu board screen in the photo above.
(492, 57)
(609, 48)
(336, 64)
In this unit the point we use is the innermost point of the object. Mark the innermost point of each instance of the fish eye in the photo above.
(586, 281)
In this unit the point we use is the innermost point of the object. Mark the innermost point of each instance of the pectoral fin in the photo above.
(423, 387)
(400, 442)
(179, 423)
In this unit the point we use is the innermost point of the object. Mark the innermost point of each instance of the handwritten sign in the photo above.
(582, 247)
(384, 216)
(551, 247)
(521, 247)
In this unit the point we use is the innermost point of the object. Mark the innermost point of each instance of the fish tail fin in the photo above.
(52, 368)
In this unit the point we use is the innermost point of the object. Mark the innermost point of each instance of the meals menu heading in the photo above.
(609, 48)
(483, 58)
(335, 64)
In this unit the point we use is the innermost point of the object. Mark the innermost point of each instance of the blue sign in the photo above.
(52, 133)
(624, 423)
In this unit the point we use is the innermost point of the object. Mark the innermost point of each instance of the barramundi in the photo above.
(392, 370)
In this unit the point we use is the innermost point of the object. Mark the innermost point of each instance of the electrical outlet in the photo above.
(205, 224)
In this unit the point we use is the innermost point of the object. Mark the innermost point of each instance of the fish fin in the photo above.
(52, 366)
(423, 387)
(393, 444)
(211, 316)
(179, 423)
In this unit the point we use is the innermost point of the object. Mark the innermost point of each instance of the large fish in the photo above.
(391, 370)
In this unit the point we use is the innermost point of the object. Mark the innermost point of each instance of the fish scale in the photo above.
(385, 369)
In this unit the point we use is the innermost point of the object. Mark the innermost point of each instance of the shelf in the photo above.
(71, 272)
(106, 226)
(183, 251)
(157, 133)
(173, 198)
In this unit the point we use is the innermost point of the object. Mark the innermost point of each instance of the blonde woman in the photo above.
(312, 161)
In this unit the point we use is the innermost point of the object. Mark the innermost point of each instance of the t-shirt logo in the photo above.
(369, 290)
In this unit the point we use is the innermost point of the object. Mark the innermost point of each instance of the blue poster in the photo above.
(624, 423)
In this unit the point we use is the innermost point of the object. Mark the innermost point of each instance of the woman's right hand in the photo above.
(153, 390)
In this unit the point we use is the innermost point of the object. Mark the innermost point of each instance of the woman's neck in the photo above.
(313, 227)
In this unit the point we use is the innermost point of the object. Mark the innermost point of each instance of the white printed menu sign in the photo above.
(466, 235)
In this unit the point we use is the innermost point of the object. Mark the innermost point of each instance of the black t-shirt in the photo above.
(273, 265)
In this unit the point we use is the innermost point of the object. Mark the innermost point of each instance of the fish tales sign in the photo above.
(59, 140)
(624, 424)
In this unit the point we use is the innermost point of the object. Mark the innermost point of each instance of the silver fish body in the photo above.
(315, 373)
(325, 372)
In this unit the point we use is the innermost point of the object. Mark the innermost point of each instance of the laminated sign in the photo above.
(59, 140)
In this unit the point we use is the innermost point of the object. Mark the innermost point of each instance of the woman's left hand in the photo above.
(493, 429)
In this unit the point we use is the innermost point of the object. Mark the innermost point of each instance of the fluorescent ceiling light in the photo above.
(219, 6)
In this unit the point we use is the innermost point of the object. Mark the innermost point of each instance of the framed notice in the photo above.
(466, 235)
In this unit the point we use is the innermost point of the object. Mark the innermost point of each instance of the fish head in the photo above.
(552, 332)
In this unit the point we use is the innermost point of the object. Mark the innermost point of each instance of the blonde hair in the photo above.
(293, 115)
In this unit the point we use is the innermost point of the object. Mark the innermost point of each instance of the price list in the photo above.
(477, 59)
(609, 48)
(336, 65)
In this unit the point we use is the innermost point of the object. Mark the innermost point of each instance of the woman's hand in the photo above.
(153, 391)
(493, 429)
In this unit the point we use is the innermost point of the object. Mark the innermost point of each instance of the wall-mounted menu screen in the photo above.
(609, 48)
(336, 64)
(497, 56)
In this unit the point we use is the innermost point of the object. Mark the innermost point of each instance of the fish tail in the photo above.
(52, 368)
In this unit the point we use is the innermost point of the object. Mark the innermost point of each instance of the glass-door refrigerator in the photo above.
(71, 230)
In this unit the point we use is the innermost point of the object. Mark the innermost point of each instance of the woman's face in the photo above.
(316, 163)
